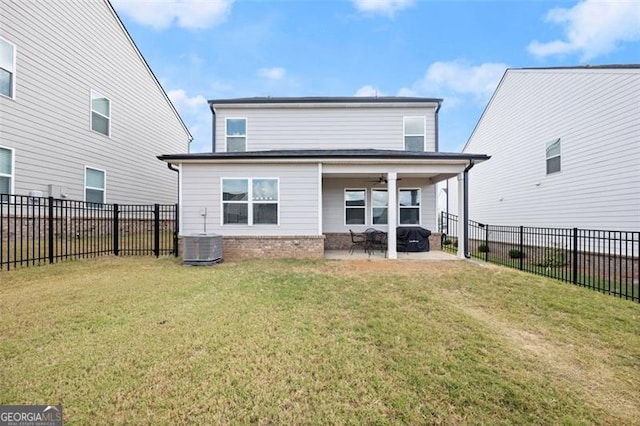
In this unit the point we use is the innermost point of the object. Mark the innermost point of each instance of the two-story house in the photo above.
(82, 115)
(565, 150)
(291, 176)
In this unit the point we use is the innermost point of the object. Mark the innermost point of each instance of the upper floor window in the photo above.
(250, 201)
(409, 205)
(100, 113)
(236, 131)
(553, 156)
(379, 206)
(6, 172)
(7, 68)
(414, 132)
(355, 206)
(94, 185)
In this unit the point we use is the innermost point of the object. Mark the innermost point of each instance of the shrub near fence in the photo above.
(606, 261)
(36, 230)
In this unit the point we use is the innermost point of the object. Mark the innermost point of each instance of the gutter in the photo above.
(466, 209)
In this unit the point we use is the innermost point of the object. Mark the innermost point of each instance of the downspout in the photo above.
(172, 167)
(466, 208)
(436, 128)
(213, 129)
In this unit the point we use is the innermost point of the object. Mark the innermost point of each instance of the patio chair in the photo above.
(376, 240)
(358, 240)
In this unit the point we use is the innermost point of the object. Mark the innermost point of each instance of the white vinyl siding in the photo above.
(65, 49)
(6, 170)
(414, 133)
(7, 68)
(355, 206)
(297, 204)
(95, 185)
(236, 134)
(100, 113)
(595, 112)
(323, 127)
(250, 201)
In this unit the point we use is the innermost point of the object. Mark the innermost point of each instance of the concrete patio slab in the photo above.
(377, 255)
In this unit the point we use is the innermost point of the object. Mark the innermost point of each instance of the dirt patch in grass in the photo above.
(597, 382)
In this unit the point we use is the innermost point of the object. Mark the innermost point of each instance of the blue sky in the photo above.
(455, 50)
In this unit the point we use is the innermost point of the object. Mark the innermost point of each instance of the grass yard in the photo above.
(148, 341)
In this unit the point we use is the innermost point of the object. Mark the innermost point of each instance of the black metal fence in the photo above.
(36, 230)
(606, 261)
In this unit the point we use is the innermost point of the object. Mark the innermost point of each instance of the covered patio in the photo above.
(396, 181)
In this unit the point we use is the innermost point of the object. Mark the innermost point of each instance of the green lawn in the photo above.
(148, 341)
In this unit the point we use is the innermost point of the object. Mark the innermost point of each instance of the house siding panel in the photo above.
(596, 113)
(64, 51)
(338, 127)
(298, 206)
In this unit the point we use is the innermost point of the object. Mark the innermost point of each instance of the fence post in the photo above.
(176, 230)
(156, 229)
(521, 246)
(50, 223)
(486, 242)
(116, 230)
(575, 256)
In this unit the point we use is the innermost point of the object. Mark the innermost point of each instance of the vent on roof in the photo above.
(202, 249)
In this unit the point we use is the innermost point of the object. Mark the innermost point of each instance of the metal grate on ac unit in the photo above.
(202, 249)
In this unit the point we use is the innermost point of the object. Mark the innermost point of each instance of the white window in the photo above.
(414, 131)
(236, 131)
(6, 172)
(7, 68)
(94, 185)
(379, 206)
(409, 206)
(100, 113)
(355, 206)
(553, 156)
(250, 201)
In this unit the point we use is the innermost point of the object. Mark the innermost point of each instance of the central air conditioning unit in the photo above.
(202, 249)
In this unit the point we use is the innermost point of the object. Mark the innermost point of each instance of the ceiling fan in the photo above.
(382, 179)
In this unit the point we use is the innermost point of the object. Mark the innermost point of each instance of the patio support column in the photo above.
(392, 215)
(461, 217)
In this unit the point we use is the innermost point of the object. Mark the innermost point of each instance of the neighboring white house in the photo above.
(565, 150)
(82, 115)
(291, 176)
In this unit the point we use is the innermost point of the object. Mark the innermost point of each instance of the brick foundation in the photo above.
(272, 247)
(343, 241)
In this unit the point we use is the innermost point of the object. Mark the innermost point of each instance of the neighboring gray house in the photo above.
(82, 116)
(565, 150)
(291, 176)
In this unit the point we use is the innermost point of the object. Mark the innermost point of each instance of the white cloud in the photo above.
(275, 73)
(368, 91)
(592, 28)
(181, 101)
(382, 7)
(196, 115)
(456, 79)
(161, 14)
